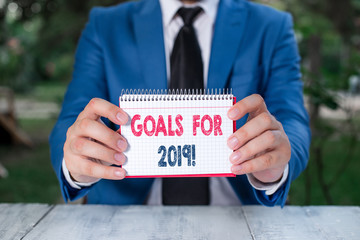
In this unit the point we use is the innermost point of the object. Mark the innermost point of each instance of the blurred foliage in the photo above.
(342, 192)
(38, 39)
(31, 178)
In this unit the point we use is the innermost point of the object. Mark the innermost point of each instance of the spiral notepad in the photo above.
(177, 134)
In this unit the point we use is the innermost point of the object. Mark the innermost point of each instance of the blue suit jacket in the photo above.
(122, 47)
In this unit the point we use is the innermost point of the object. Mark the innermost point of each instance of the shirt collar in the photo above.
(170, 7)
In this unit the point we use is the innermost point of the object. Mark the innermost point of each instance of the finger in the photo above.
(253, 104)
(90, 149)
(260, 163)
(256, 126)
(265, 142)
(100, 132)
(93, 169)
(97, 108)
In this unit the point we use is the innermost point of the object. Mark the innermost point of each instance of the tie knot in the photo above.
(188, 14)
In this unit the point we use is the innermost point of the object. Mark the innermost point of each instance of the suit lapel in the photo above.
(229, 28)
(148, 29)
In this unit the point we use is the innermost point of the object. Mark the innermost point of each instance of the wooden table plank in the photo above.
(324, 222)
(141, 222)
(276, 223)
(16, 220)
(336, 222)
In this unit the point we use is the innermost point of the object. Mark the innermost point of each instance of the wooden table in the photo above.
(39, 221)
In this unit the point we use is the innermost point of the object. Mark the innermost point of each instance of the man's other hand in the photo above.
(261, 147)
(91, 147)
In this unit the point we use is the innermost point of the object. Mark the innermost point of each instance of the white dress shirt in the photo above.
(221, 192)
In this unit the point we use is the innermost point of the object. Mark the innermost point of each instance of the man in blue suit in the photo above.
(244, 46)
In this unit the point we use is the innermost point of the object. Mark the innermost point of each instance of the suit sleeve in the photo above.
(88, 81)
(283, 96)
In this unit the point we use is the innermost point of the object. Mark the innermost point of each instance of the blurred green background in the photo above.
(37, 44)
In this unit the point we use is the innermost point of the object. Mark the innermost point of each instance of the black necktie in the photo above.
(185, 62)
(186, 73)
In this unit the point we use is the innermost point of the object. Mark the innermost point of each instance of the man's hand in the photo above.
(91, 147)
(261, 145)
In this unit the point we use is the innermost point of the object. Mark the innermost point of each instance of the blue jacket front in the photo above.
(122, 47)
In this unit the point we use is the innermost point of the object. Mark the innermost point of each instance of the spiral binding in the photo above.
(175, 94)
